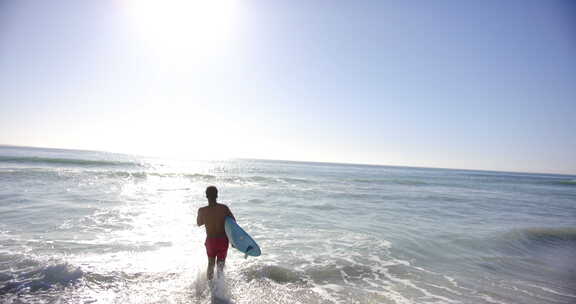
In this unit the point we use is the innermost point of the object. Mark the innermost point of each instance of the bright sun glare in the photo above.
(181, 29)
(177, 36)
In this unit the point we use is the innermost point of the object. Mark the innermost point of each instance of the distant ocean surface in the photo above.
(93, 227)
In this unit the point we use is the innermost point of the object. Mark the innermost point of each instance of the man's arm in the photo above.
(229, 213)
(200, 218)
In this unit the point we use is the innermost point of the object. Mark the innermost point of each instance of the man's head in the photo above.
(211, 193)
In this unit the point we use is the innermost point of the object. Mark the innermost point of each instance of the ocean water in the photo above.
(93, 227)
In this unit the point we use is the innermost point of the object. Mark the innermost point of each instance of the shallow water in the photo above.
(98, 227)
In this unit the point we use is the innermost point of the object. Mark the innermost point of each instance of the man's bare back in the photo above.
(212, 217)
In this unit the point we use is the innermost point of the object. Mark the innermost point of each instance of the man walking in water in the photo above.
(212, 217)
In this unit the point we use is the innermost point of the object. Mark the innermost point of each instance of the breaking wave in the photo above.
(66, 161)
(546, 236)
(34, 276)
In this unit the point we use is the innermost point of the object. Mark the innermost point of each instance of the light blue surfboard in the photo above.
(240, 239)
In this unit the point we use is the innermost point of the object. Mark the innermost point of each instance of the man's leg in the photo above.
(210, 270)
(221, 267)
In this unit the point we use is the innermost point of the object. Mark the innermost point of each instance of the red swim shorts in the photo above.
(217, 247)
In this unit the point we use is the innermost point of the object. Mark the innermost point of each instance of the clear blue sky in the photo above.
(454, 84)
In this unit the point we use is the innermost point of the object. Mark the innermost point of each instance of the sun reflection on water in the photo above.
(157, 246)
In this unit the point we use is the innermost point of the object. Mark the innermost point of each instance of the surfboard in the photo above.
(240, 239)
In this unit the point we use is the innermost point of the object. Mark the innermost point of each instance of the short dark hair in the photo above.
(211, 192)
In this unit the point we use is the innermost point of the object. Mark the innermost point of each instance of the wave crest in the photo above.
(567, 234)
(40, 277)
(66, 161)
